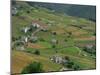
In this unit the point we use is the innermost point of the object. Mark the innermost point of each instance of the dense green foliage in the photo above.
(37, 52)
(34, 67)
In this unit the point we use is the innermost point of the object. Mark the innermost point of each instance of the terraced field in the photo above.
(65, 36)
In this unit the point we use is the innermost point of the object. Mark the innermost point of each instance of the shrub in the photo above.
(94, 33)
(53, 46)
(37, 52)
(34, 67)
(65, 40)
(17, 14)
(67, 58)
(70, 64)
(41, 39)
(13, 38)
(54, 33)
(76, 67)
(70, 33)
(28, 11)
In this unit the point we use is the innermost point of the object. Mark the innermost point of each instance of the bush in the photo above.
(17, 14)
(13, 38)
(70, 33)
(41, 39)
(65, 40)
(76, 67)
(94, 33)
(67, 58)
(72, 65)
(28, 12)
(37, 52)
(34, 67)
(54, 33)
(53, 46)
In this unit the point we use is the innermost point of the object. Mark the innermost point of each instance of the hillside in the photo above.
(52, 34)
(82, 11)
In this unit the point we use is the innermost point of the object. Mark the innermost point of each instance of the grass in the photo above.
(26, 58)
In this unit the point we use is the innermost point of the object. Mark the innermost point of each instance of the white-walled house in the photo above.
(38, 24)
(58, 59)
(26, 29)
(35, 25)
(24, 39)
(54, 41)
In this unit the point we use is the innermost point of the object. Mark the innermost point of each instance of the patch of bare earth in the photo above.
(37, 46)
(85, 38)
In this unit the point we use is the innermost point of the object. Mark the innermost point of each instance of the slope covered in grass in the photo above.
(72, 34)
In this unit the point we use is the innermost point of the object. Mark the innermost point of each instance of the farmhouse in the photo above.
(89, 46)
(24, 39)
(26, 29)
(58, 59)
(38, 24)
(54, 41)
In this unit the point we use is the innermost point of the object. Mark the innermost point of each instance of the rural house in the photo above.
(89, 46)
(58, 59)
(24, 39)
(26, 29)
(54, 41)
(38, 24)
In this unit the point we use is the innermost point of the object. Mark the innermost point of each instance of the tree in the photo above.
(94, 33)
(37, 52)
(65, 40)
(70, 33)
(70, 64)
(34, 67)
(76, 67)
(67, 58)
(53, 46)
(41, 39)
(13, 38)
(28, 11)
(54, 33)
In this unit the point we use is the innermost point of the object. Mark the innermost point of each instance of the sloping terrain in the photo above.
(71, 33)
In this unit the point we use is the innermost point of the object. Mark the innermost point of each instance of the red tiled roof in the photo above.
(40, 23)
